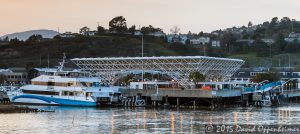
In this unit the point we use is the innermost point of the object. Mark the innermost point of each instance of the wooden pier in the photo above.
(192, 98)
(185, 98)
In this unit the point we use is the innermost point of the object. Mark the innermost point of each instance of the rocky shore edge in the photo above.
(11, 108)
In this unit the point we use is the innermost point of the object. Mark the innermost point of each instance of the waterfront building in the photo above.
(247, 74)
(200, 41)
(14, 75)
(177, 67)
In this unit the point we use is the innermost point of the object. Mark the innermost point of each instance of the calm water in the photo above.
(119, 120)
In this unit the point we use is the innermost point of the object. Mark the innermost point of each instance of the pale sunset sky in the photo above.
(188, 15)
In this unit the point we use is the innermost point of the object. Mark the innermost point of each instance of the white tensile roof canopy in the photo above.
(177, 67)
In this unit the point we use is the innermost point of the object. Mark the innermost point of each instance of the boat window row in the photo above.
(40, 92)
(69, 93)
(54, 84)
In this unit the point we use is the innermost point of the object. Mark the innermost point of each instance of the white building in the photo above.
(268, 41)
(200, 41)
(14, 75)
(177, 38)
(68, 35)
(90, 33)
(137, 33)
(215, 43)
(292, 37)
(157, 34)
(153, 85)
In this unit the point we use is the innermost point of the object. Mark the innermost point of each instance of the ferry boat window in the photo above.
(87, 94)
(50, 83)
(83, 84)
(71, 93)
(40, 92)
(65, 93)
(69, 84)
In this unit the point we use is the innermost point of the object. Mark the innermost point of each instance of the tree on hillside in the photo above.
(100, 30)
(274, 22)
(2, 78)
(280, 42)
(228, 40)
(175, 30)
(131, 29)
(34, 39)
(29, 66)
(250, 24)
(6, 39)
(150, 29)
(118, 25)
(201, 33)
(83, 30)
(15, 41)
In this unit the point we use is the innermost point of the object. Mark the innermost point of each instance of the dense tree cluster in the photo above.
(119, 37)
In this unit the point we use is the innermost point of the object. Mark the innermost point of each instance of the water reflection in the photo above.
(141, 120)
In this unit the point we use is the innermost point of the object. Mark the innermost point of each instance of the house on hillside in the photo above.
(157, 34)
(90, 33)
(200, 41)
(137, 33)
(215, 43)
(68, 35)
(293, 37)
(268, 41)
(177, 39)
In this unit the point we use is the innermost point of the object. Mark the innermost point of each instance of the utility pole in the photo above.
(204, 48)
(271, 55)
(48, 61)
(142, 57)
(40, 60)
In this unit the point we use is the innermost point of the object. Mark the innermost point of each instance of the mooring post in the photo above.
(212, 103)
(178, 104)
(194, 104)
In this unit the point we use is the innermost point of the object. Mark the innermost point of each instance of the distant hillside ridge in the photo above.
(26, 34)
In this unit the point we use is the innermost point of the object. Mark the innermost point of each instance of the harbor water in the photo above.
(78, 120)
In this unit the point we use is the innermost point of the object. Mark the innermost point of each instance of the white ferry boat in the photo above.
(62, 89)
(58, 90)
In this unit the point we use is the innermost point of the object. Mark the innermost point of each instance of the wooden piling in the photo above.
(178, 103)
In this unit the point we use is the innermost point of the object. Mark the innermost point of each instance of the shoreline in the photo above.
(11, 108)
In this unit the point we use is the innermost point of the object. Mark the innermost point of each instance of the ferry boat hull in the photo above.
(48, 100)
